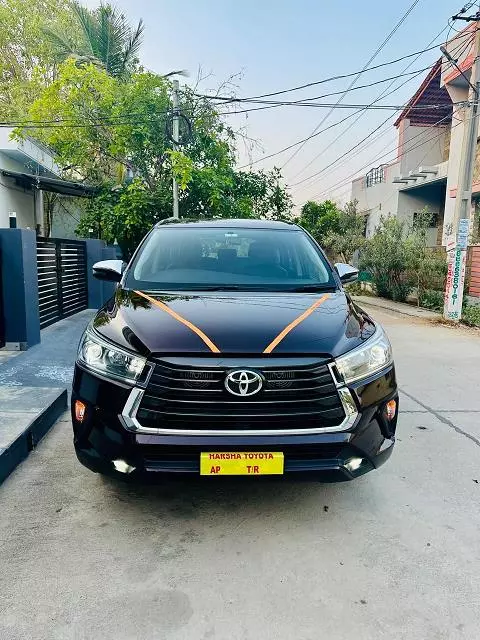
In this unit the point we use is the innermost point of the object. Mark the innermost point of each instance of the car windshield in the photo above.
(209, 258)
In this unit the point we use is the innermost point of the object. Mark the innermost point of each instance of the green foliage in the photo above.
(358, 289)
(431, 299)
(471, 315)
(349, 237)
(338, 231)
(123, 134)
(399, 260)
(182, 167)
(386, 257)
(320, 219)
(125, 214)
(426, 267)
(90, 97)
(107, 40)
(27, 62)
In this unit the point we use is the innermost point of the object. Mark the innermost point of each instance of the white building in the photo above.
(27, 170)
(417, 178)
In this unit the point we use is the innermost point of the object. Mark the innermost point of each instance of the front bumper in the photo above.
(105, 445)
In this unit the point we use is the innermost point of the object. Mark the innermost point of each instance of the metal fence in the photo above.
(2, 317)
(62, 278)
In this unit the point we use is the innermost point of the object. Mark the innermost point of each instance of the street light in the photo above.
(182, 72)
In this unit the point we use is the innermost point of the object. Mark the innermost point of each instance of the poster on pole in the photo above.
(463, 233)
(455, 280)
(451, 242)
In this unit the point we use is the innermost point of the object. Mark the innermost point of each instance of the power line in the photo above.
(324, 80)
(361, 114)
(420, 162)
(298, 142)
(291, 146)
(355, 121)
(322, 105)
(132, 119)
(374, 160)
(346, 180)
(327, 95)
(335, 124)
(372, 58)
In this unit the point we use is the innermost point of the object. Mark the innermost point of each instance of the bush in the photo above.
(385, 257)
(471, 315)
(357, 289)
(398, 258)
(431, 299)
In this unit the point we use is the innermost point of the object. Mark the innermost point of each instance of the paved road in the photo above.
(393, 555)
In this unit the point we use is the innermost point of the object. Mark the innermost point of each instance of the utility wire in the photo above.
(375, 160)
(291, 146)
(327, 95)
(354, 81)
(318, 173)
(131, 119)
(324, 80)
(360, 116)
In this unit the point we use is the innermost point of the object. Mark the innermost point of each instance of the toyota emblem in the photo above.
(243, 382)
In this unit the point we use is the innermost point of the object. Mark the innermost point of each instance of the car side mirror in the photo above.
(346, 272)
(110, 270)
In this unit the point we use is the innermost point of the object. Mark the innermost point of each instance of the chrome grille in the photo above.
(179, 396)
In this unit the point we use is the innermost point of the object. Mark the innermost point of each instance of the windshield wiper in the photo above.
(225, 287)
(313, 287)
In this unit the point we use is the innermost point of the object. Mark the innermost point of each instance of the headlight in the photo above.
(110, 361)
(373, 356)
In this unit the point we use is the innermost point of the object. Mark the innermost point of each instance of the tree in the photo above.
(349, 236)
(320, 218)
(107, 40)
(111, 133)
(27, 62)
(338, 231)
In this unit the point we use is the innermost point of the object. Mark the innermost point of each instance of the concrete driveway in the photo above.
(393, 555)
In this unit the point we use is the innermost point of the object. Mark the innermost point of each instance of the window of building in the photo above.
(375, 176)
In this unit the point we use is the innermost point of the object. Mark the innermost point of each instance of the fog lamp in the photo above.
(353, 464)
(122, 466)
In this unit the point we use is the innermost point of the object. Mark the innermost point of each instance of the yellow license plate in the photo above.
(241, 463)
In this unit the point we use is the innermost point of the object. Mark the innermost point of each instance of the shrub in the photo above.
(357, 289)
(398, 259)
(427, 267)
(471, 315)
(431, 299)
(385, 257)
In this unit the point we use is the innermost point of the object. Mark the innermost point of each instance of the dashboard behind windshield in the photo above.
(181, 258)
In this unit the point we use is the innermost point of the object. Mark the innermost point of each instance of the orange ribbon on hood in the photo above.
(211, 345)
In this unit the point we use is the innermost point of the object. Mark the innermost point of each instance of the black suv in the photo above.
(231, 348)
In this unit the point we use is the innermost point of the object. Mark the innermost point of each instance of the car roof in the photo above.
(234, 223)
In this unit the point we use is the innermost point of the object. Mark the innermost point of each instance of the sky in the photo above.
(266, 46)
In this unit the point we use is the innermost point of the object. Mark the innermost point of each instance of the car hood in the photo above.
(236, 323)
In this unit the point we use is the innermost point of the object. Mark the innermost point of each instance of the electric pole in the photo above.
(176, 134)
(463, 201)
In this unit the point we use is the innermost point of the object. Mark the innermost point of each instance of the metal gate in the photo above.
(2, 318)
(62, 278)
